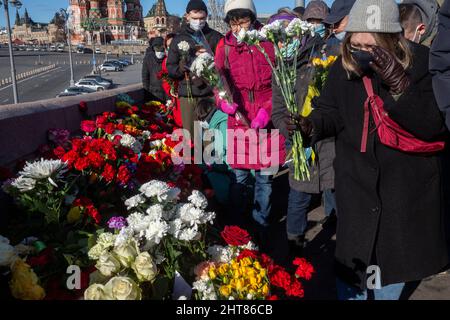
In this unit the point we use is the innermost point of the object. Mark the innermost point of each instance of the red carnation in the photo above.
(108, 173)
(81, 163)
(92, 212)
(274, 297)
(123, 176)
(295, 290)
(110, 127)
(248, 254)
(304, 270)
(281, 278)
(235, 236)
(88, 126)
(95, 160)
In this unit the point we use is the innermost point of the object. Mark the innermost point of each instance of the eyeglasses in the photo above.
(240, 24)
(361, 48)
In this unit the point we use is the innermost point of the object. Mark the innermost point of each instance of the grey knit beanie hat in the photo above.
(374, 16)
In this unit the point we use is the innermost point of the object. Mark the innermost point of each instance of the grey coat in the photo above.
(322, 174)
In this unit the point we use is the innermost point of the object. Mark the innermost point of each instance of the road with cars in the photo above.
(50, 83)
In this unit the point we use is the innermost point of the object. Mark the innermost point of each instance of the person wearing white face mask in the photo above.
(151, 68)
(197, 37)
(419, 20)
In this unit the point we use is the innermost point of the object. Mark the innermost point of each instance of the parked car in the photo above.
(125, 62)
(109, 66)
(99, 79)
(29, 48)
(52, 49)
(91, 84)
(79, 90)
(98, 50)
(117, 62)
(105, 85)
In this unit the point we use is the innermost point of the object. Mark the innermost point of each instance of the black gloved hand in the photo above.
(298, 123)
(390, 70)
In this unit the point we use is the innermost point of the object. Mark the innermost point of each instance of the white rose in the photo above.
(144, 267)
(127, 254)
(123, 288)
(7, 254)
(108, 265)
(95, 292)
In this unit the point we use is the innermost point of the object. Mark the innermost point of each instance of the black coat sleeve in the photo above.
(440, 61)
(146, 73)
(325, 116)
(416, 110)
(173, 62)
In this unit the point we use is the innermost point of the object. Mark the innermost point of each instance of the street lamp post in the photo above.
(18, 5)
(68, 25)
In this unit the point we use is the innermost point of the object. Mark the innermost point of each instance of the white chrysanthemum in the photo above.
(156, 231)
(24, 184)
(43, 169)
(155, 212)
(184, 46)
(134, 201)
(146, 134)
(198, 199)
(156, 144)
(200, 285)
(189, 234)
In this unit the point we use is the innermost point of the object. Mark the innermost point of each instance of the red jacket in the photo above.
(249, 76)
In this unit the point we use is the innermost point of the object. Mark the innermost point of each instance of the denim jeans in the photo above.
(262, 196)
(297, 214)
(348, 292)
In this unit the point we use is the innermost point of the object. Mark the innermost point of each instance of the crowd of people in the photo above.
(377, 130)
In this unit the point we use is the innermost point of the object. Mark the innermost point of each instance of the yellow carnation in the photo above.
(24, 282)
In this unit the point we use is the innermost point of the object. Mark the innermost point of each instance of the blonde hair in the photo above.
(395, 43)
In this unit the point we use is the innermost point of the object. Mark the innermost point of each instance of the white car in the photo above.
(98, 51)
(110, 67)
(90, 84)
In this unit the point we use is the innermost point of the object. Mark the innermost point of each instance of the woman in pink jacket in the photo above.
(253, 143)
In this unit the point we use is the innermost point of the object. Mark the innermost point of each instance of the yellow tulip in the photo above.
(307, 106)
(212, 273)
(265, 290)
(225, 291)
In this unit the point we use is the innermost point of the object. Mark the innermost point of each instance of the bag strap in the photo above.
(365, 133)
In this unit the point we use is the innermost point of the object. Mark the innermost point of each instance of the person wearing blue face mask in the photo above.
(322, 174)
(315, 13)
(200, 38)
(336, 21)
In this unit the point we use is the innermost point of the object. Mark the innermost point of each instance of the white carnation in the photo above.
(175, 227)
(220, 254)
(189, 234)
(156, 231)
(134, 201)
(184, 46)
(155, 212)
(198, 199)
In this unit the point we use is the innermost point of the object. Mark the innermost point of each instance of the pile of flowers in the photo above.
(153, 240)
(239, 271)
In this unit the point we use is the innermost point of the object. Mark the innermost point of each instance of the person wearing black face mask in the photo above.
(151, 67)
(389, 201)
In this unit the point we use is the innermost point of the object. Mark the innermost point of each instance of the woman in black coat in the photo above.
(389, 201)
(151, 69)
